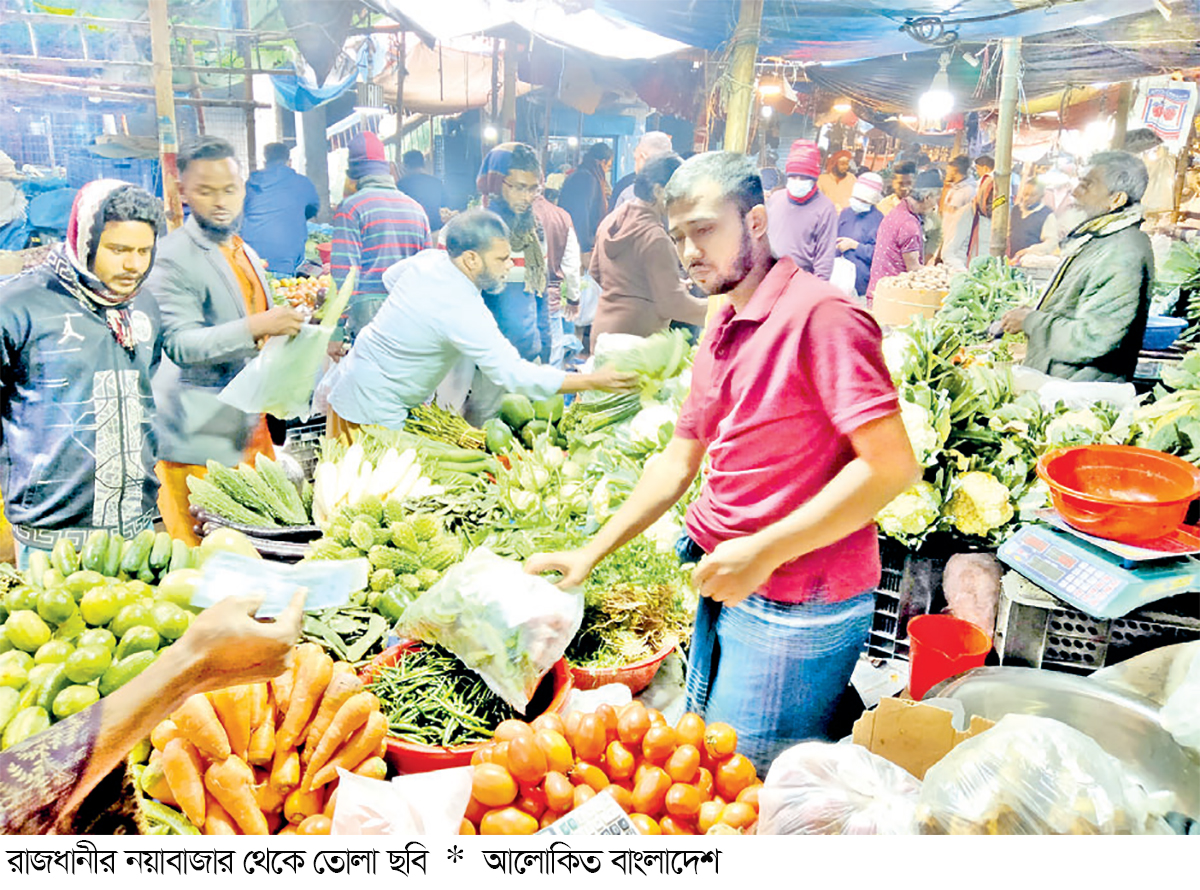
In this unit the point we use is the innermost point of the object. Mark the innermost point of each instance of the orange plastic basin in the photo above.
(636, 676)
(1119, 492)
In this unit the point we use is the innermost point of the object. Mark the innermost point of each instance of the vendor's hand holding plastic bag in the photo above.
(819, 788)
(280, 380)
(1033, 775)
(507, 626)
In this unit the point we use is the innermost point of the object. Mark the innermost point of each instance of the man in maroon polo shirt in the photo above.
(794, 408)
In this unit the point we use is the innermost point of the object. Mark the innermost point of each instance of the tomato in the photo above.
(315, 825)
(690, 730)
(632, 723)
(482, 754)
(582, 795)
(560, 793)
(493, 785)
(619, 761)
(526, 761)
(500, 754)
(650, 793)
(88, 663)
(511, 729)
(531, 800)
(683, 801)
(658, 744)
(684, 764)
(733, 775)
(550, 721)
(704, 781)
(571, 725)
(607, 715)
(476, 810)
(644, 823)
(738, 815)
(622, 795)
(557, 750)
(750, 795)
(720, 741)
(672, 825)
(589, 774)
(656, 717)
(549, 818)
(466, 827)
(590, 738)
(710, 813)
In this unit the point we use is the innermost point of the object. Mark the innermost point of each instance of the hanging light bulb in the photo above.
(490, 133)
(938, 102)
(843, 106)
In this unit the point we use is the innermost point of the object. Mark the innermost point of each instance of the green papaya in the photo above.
(516, 410)
(532, 430)
(499, 436)
(549, 410)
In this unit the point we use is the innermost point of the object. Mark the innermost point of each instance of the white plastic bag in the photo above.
(843, 276)
(507, 626)
(280, 380)
(821, 788)
(1180, 716)
(589, 299)
(421, 804)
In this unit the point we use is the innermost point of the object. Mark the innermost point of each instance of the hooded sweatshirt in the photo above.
(641, 286)
(807, 233)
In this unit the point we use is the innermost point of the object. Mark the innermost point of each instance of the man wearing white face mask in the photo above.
(801, 222)
(858, 226)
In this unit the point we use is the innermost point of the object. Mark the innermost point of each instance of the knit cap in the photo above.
(804, 159)
(868, 189)
(367, 157)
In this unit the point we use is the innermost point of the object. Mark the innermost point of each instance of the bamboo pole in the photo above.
(741, 71)
(508, 109)
(1124, 99)
(401, 73)
(244, 47)
(1010, 75)
(164, 101)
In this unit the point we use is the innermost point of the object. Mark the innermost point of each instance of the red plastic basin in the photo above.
(1120, 492)
(636, 676)
(413, 757)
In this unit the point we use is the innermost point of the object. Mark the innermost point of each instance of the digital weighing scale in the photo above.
(1105, 579)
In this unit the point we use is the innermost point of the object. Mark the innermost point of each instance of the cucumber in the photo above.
(112, 556)
(39, 564)
(138, 553)
(64, 558)
(160, 553)
(94, 552)
(8, 705)
(180, 557)
(121, 672)
(55, 683)
(147, 575)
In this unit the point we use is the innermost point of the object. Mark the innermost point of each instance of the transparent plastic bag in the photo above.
(421, 804)
(507, 626)
(1180, 716)
(820, 788)
(1033, 775)
(280, 380)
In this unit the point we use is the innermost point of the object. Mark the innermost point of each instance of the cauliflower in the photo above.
(900, 354)
(646, 428)
(664, 533)
(912, 513)
(927, 441)
(979, 505)
(1079, 427)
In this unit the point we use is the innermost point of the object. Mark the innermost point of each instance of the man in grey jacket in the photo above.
(216, 313)
(1089, 324)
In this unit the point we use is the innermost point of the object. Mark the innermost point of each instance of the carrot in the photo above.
(313, 673)
(341, 687)
(288, 829)
(358, 748)
(163, 733)
(262, 744)
(301, 804)
(182, 768)
(372, 768)
(269, 799)
(219, 821)
(285, 771)
(330, 804)
(353, 713)
(281, 687)
(198, 722)
(257, 694)
(231, 782)
(233, 707)
(155, 784)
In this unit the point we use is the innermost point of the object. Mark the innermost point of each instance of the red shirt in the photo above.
(899, 233)
(776, 390)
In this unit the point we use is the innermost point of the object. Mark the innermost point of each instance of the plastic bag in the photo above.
(589, 299)
(507, 626)
(421, 804)
(280, 380)
(1180, 716)
(821, 788)
(1033, 775)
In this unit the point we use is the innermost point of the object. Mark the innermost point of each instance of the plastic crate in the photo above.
(303, 441)
(84, 167)
(909, 585)
(1035, 629)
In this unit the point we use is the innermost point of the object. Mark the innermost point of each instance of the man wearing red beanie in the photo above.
(802, 222)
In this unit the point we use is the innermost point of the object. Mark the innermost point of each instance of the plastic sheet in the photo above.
(1181, 714)
(819, 788)
(1033, 775)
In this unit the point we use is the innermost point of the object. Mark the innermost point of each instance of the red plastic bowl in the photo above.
(636, 676)
(1120, 492)
(412, 757)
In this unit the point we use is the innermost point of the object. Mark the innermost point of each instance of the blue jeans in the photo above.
(518, 316)
(773, 671)
(545, 332)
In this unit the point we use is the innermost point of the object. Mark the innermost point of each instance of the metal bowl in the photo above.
(1125, 725)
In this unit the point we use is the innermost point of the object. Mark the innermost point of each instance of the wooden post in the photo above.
(1124, 99)
(401, 73)
(194, 89)
(1181, 168)
(244, 47)
(164, 101)
(495, 103)
(508, 110)
(1004, 141)
(741, 71)
(316, 157)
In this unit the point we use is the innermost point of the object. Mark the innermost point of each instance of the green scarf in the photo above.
(1085, 232)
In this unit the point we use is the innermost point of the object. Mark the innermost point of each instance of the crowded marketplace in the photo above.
(598, 417)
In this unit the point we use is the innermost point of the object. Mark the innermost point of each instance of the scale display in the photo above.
(1093, 581)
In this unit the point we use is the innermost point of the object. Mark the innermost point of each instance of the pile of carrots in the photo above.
(681, 780)
(263, 758)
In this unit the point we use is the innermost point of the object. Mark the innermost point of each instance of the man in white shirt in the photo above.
(433, 321)
(957, 213)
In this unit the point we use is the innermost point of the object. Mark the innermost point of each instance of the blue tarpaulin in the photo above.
(832, 30)
(295, 94)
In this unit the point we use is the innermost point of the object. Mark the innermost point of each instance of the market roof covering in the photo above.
(584, 29)
(829, 30)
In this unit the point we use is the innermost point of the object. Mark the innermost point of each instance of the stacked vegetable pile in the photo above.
(1171, 422)
(541, 486)
(79, 631)
(346, 477)
(263, 758)
(258, 497)
(1178, 279)
(938, 277)
(526, 419)
(301, 293)
(435, 422)
(977, 299)
(684, 780)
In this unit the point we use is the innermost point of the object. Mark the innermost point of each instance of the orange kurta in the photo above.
(173, 495)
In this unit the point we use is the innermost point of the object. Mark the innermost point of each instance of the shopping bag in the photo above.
(589, 299)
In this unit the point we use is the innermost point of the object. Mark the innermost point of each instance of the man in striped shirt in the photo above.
(375, 227)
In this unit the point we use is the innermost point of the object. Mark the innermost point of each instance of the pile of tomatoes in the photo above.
(303, 293)
(681, 780)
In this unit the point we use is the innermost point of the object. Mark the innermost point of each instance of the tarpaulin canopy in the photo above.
(443, 80)
(585, 29)
(1122, 49)
(828, 30)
